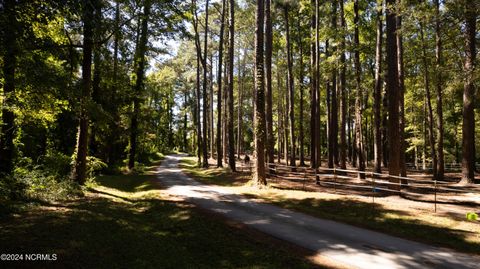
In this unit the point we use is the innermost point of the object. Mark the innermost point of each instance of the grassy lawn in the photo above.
(430, 228)
(216, 176)
(127, 222)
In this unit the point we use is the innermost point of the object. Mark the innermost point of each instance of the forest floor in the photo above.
(127, 221)
(408, 218)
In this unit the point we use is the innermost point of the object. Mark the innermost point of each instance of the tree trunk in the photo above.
(259, 116)
(291, 91)
(378, 91)
(231, 140)
(313, 85)
(197, 112)
(219, 89)
(225, 102)
(210, 110)
(268, 82)
(392, 93)
(342, 92)
(204, 92)
(426, 80)
(468, 134)
(318, 124)
(358, 99)
(401, 94)
(185, 123)
(280, 126)
(140, 61)
(300, 84)
(439, 81)
(385, 128)
(241, 70)
(329, 114)
(80, 168)
(286, 123)
(7, 133)
(334, 104)
(112, 150)
(197, 106)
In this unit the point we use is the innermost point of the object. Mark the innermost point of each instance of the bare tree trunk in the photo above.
(401, 92)
(241, 70)
(279, 118)
(268, 81)
(392, 93)
(185, 123)
(439, 81)
(378, 91)
(468, 134)
(204, 92)
(426, 80)
(79, 169)
(358, 99)
(291, 91)
(259, 116)
(318, 133)
(231, 136)
(300, 84)
(342, 92)
(334, 106)
(211, 120)
(349, 133)
(220, 89)
(225, 101)
(199, 60)
(285, 123)
(197, 113)
(385, 130)
(329, 114)
(313, 85)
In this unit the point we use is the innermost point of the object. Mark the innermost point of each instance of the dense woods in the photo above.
(103, 86)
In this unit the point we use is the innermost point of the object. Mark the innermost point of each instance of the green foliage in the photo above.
(94, 165)
(55, 164)
(41, 186)
(11, 189)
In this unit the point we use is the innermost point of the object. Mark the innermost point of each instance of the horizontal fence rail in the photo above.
(372, 181)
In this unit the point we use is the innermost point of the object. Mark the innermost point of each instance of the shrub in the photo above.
(43, 186)
(56, 164)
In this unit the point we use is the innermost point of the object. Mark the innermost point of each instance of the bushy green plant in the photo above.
(43, 186)
(56, 164)
(11, 189)
(94, 165)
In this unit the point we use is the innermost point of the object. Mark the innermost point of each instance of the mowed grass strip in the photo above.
(127, 222)
(221, 176)
(435, 229)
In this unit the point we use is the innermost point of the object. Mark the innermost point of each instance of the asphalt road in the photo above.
(345, 244)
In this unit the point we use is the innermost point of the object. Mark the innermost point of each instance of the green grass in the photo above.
(436, 230)
(126, 222)
(215, 176)
(388, 221)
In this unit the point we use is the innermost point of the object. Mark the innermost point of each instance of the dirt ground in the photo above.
(451, 200)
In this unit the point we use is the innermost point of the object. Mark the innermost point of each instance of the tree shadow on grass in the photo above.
(378, 218)
(217, 176)
(129, 183)
(101, 233)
